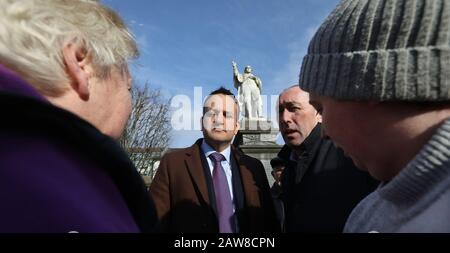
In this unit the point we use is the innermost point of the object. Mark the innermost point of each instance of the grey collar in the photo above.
(428, 168)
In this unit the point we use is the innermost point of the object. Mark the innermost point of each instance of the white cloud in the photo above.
(288, 75)
(168, 82)
(143, 43)
(310, 31)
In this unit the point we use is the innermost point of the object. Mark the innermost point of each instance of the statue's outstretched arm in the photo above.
(235, 70)
(237, 76)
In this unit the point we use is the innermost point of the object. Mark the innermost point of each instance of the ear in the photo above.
(319, 117)
(237, 127)
(201, 123)
(76, 60)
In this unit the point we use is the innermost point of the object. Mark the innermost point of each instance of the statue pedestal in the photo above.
(257, 138)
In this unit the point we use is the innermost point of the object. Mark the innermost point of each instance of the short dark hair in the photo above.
(277, 161)
(223, 91)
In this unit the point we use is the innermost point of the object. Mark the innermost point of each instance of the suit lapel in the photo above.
(196, 172)
(238, 191)
(248, 182)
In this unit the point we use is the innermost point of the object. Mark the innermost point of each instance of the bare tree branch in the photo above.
(147, 133)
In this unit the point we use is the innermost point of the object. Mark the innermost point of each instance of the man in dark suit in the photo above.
(320, 184)
(211, 186)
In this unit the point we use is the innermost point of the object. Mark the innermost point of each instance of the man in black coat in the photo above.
(320, 184)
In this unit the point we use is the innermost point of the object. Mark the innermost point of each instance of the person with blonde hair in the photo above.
(64, 96)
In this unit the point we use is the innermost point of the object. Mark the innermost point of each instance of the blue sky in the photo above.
(184, 44)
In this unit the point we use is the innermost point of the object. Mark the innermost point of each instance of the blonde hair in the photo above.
(34, 32)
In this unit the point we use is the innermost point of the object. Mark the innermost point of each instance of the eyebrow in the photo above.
(291, 103)
(206, 109)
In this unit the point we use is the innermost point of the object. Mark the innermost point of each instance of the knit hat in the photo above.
(382, 50)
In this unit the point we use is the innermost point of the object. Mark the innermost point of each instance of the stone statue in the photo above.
(249, 92)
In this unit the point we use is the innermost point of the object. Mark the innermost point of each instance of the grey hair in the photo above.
(34, 32)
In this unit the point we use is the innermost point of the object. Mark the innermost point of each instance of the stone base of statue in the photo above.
(257, 138)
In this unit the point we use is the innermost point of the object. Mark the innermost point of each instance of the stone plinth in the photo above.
(257, 138)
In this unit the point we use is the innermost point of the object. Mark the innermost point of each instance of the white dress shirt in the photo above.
(226, 165)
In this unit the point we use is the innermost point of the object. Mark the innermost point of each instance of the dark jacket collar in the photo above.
(309, 147)
(309, 144)
(311, 141)
(11, 83)
(21, 106)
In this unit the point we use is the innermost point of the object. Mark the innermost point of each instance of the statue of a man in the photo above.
(249, 92)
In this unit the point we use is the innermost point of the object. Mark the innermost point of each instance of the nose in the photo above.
(218, 118)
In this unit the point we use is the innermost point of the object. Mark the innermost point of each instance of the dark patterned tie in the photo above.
(223, 196)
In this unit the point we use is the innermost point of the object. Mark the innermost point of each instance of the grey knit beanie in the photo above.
(383, 50)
